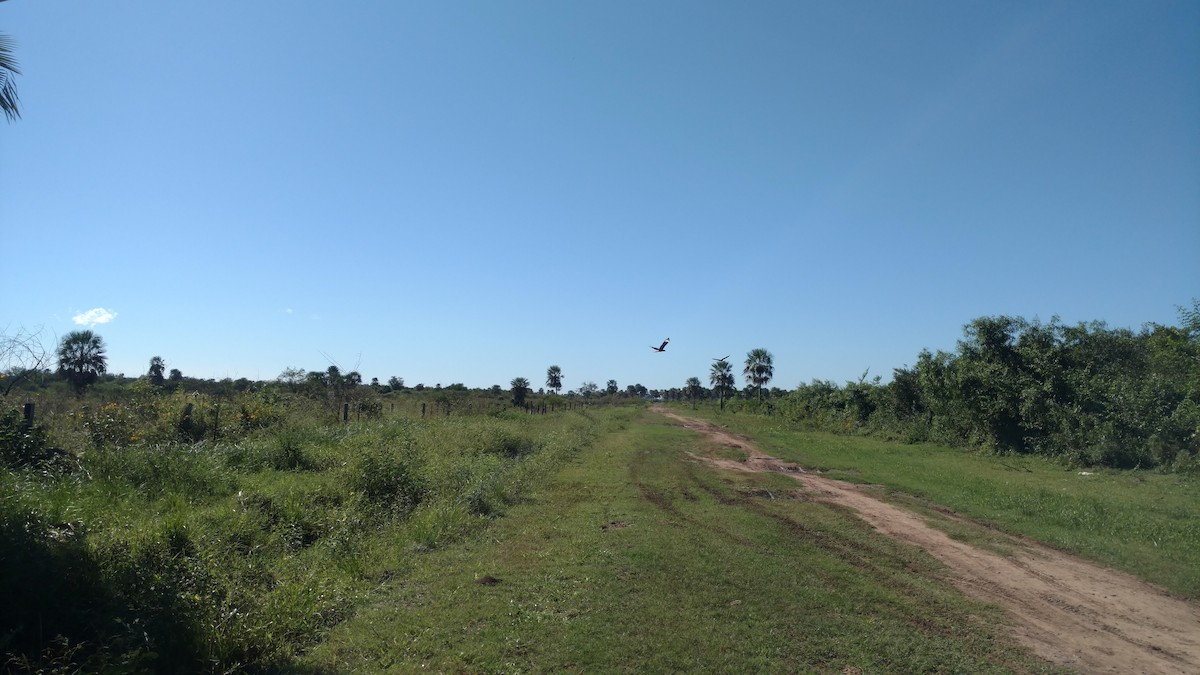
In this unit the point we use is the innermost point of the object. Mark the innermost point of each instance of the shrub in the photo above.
(22, 444)
(386, 477)
(163, 589)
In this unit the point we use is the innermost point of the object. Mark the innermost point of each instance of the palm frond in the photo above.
(9, 101)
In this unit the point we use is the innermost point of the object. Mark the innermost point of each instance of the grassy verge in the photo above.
(235, 557)
(634, 559)
(1143, 522)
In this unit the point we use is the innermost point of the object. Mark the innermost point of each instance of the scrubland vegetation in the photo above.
(1087, 395)
(163, 523)
(160, 533)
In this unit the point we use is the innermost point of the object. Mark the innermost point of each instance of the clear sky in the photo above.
(474, 191)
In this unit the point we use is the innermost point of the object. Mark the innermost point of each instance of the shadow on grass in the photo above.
(67, 609)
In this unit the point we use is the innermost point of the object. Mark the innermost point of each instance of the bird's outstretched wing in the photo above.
(722, 358)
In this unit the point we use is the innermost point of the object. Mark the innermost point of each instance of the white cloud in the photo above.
(94, 317)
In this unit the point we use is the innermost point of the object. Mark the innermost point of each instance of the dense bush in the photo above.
(1087, 393)
(22, 444)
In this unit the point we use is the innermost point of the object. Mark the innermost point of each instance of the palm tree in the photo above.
(554, 378)
(759, 368)
(157, 368)
(693, 390)
(81, 359)
(520, 387)
(8, 87)
(721, 379)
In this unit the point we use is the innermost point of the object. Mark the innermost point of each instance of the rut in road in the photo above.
(1066, 610)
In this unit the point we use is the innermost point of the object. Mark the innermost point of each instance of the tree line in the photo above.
(80, 363)
(1088, 393)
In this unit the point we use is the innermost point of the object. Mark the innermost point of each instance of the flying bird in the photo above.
(662, 347)
(722, 358)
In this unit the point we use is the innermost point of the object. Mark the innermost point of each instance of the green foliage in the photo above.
(235, 554)
(1144, 522)
(759, 368)
(520, 389)
(152, 472)
(22, 444)
(370, 407)
(1090, 395)
(720, 376)
(387, 477)
(554, 378)
(636, 559)
(81, 359)
(155, 373)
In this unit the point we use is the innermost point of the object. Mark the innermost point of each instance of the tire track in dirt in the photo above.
(1064, 609)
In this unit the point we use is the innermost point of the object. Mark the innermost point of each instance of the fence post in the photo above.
(28, 415)
(422, 410)
(345, 412)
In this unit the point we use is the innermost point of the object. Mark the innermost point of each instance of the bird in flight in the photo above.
(662, 347)
(722, 358)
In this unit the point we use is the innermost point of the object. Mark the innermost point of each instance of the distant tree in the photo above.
(759, 368)
(721, 379)
(81, 359)
(396, 383)
(587, 389)
(520, 388)
(9, 102)
(554, 378)
(611, 387)
(693, 390)
(292, 378)
(157, 368)
(175, 375)
(496, 390)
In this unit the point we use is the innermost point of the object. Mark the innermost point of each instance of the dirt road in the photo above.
(1066, 610)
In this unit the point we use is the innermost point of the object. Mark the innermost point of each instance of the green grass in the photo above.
(634, 559)
(583, 541)
(1143, 522)
(238, 556)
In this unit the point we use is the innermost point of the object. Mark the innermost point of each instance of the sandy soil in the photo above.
(1066, 610)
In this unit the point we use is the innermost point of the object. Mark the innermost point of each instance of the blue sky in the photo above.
(473, 191)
